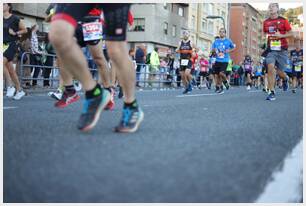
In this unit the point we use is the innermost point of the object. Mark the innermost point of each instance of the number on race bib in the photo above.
(92, 31)
(275, 45)
(184, 62)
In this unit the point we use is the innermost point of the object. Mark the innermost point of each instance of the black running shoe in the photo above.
(92, 109)
(130, 121)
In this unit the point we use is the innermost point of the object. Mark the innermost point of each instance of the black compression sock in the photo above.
(70, 89)
(133, 104)
(96, 91)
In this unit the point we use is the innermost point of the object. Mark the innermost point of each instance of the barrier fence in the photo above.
(163, 78)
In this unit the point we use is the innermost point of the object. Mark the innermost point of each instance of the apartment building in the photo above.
(158, 25)
(246, 31)
(203, 29)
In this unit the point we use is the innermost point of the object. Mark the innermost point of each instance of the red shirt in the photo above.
(193, 59)
(280, 24)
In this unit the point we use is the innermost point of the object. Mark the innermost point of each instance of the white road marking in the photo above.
(197, 95)
(286, 184)
(9, 108)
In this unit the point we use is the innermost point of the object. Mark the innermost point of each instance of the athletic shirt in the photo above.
(13, 23)
(281, 25)
(185, 50)
(203, 65)
(296, 56)
(288, 68)
(221, 45)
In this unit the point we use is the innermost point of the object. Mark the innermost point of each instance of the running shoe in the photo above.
(56, 95)
(111, 103)
(226, 84)
(185, 91)
(130, 121)
(285, 85)
(293, 90)
(77, 85)
(220, 91)
(92, 109)
(67, 99)
(10, 91)
(271, 96)
(19, 95)
(248, 87)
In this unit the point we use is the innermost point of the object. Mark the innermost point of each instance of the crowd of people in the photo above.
(73, 46)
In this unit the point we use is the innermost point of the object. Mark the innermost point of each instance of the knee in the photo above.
(60, 36)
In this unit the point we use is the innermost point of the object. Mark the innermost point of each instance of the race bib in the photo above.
(247, 67)
(221, 55)
(92, 31)
(184, 62)
(5, 46)
(275, 45)
(298, 68)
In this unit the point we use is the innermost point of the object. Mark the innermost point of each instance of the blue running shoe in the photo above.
(271, 96)
(92, 109)
(130, 121)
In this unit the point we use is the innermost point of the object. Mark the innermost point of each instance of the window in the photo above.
(205, 7)
(139, 24)
(218, 12)
(165, 28)
(174, 30)
(210, 28)
(210, 9)
(192, 22)
(204, 25)
(181, 11)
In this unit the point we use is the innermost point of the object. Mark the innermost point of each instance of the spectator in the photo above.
(154, 64)
(140, 58)
(35, 58)
(132, 57)
(49, 50)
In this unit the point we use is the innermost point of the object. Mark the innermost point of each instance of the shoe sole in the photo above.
(97, 115)
(135, 128)
(70, 102)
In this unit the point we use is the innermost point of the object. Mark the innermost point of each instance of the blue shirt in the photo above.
(221, 45)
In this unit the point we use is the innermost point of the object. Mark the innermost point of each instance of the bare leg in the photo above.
(118, 53)
(13, 75)
(61, 36)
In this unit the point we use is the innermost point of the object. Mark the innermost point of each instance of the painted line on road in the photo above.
(255, 91)
(197, 95)
(9, 108)
(286, 185)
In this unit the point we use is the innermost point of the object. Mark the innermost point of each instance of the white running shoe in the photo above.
(56, 95)
(248, 88)
(19, 95)
(10, 91)
(77, 86)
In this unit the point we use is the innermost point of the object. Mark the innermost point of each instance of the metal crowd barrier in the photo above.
(160, 80)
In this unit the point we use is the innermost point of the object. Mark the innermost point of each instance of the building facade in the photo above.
(158, 25)
(246, 31)
(202, 29)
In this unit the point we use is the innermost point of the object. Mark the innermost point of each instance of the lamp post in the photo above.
(217, 17)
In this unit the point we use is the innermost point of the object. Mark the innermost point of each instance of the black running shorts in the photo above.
(10, 51)
(115, 17)
(220, 67)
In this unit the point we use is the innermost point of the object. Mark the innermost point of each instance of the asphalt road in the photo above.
(197, 148)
